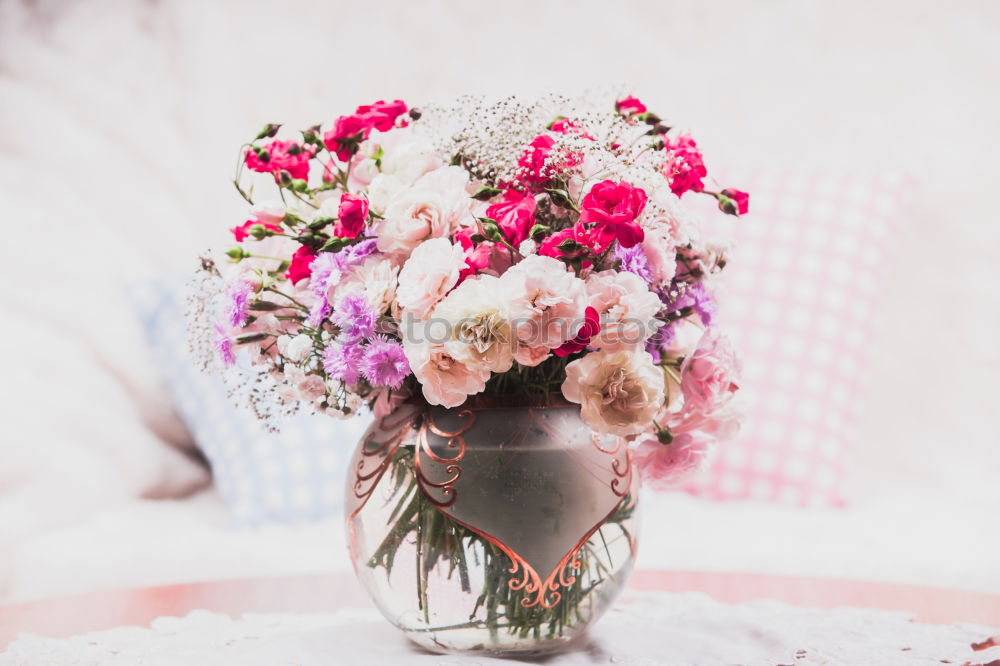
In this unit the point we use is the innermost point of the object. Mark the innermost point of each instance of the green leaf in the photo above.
(486, 193)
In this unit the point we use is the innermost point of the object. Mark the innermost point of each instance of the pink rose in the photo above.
(381, 115)
(242, 231)
(629, 106)
(515, 215)
(347, 133)
(281, 155)
(663, 466)
(710, 374)
(539, 164)
(567, 126)
(486, 257)
(738, 204)
(590, 242)
(591, 327)
(299, 268)
(351, 215)
(685, 168)
(613, 209)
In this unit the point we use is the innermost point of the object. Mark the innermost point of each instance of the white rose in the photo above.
(271, 211)
(479, 331)
(627, 309)
(428, 275)
(619, 392)
(381, 191)
(375, 277)
(295, 349)
(545, 304)
(445, 380)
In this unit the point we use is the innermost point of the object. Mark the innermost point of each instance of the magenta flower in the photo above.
(238, 307)
(355, 317)
(224, 346)
(343, 362)
(384, 363)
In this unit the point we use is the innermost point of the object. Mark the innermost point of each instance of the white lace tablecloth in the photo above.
(646, 629)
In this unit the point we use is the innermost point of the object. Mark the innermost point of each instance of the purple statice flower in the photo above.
(355, 317)
(238, 306)
(324, 273)
(659, 341)
(683, 295)
(343, 361)
(384, 363)
(634, 260)
(224, 346)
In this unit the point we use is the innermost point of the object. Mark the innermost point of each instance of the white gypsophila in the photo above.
(545, 304)
(428, 275)
(626, 307)
(619, 392)
(295, 349)
(527, 247)
(477, 325)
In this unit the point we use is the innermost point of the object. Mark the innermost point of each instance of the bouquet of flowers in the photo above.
(508, 249)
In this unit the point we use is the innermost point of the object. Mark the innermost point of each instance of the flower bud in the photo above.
(268, 131)
(237, 254)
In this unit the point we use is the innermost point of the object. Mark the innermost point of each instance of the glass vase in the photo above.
(505, 529)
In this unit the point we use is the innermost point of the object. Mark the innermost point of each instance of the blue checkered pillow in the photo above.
(294, 475)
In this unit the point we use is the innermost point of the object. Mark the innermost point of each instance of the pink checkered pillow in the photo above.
(800, 295)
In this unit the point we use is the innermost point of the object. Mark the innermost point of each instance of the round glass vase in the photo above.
(505, 529)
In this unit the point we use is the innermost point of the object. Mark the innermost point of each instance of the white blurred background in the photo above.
(119, 123)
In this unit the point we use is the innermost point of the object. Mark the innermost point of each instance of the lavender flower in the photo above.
(324, 273)
(634, 260)
(238, 307)
(224, 346)
(355, 317)
(684, 295)
(385, 363)
(343, 362)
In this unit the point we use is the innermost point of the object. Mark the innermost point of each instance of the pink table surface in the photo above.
(97, 611)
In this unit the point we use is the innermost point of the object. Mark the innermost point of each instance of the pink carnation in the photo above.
(614, 208)
(663, 466)
(589, 240)
(281, 155)
(686, 168)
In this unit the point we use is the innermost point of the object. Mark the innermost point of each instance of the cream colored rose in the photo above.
(627, 309)
(435, 206)
(479, 332)
(428, 275)
(619, 392)
(445, 380)
(545, 303)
